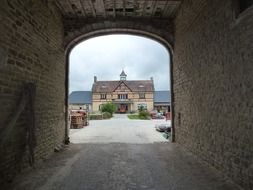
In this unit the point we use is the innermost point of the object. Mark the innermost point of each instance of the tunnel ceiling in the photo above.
(106, 9)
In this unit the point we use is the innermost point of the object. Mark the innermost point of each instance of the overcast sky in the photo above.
(106, 56)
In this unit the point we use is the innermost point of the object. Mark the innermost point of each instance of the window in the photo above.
(142, 106)
(102, 96)
(244, 4)
(142, 95)
(122, 96)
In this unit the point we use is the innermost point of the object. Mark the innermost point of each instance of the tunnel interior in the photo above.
(211, 70)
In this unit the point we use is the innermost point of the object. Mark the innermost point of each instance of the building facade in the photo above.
(127, 95)
(162, 101)
(80, 100)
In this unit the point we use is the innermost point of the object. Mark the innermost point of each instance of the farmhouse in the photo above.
(128, 95)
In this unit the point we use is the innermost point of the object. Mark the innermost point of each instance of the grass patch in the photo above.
(132, 116)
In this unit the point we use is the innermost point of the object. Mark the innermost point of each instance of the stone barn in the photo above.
(80, 100)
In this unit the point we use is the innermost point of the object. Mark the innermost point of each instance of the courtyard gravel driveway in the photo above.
(119, 129)
(121, 166)
(121, 154)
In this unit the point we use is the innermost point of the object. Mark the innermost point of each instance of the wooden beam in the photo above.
(124, 7)
(135, 2)
(78, 8)
(58, 4)
(83, 9)
(103, 6)
(93, 9)
(173, 12)
(26, 102)
(154, 8)
(71, 8)
(171, 8)
(114, 8)
(165, 10)
(66, 8)
(144, 7)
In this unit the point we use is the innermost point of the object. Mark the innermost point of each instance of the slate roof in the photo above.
(85, 97)
(133, 85)
(80, 97)
(162, 96)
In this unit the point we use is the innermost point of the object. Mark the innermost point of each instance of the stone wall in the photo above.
(31, 50)
(213, 86)
(77, 30)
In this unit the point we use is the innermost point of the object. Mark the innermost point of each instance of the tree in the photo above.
(108, 107)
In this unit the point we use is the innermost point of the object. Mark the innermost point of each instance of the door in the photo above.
(123, 108)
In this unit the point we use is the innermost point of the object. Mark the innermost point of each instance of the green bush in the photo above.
(108, 107)
(95, 116)
(133, 116)
(95, 113)
(143, 115)
(106, 115)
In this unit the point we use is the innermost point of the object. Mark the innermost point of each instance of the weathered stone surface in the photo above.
(213, 86)
(31, 46)
(114, 166)
(82, 29)
(111, 9)
(212, 69)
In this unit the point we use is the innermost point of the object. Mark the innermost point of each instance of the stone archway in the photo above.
(158, 30)
(76, 37)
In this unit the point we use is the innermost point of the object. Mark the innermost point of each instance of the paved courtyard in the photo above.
(119, 129)
(122, 154)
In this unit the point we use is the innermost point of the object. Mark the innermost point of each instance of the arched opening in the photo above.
(136, 33)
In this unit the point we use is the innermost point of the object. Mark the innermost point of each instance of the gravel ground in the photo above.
(119, 129)
(119, 154)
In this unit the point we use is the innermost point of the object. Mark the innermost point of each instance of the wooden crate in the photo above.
(77, 121)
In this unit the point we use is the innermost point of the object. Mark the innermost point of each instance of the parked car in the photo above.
(156, 115)
(163, 127)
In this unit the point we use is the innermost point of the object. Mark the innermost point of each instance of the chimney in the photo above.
(152, 80)
(95, 78)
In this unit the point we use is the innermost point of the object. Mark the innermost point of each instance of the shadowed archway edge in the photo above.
(156, 29)
(75, 40)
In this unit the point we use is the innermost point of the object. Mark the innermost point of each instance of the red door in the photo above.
(123, 108)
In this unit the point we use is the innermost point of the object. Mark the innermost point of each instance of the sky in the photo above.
(106, 56)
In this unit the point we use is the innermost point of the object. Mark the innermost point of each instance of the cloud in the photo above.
(106, 56)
